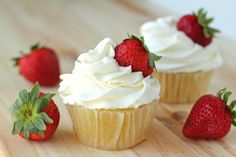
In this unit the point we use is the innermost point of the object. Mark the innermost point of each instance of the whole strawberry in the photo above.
(211, 117)
(41, 65)
(134, 52)
(196, 26)
(35, 115)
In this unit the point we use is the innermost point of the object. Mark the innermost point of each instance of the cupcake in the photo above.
(111, 106)
(189, 55)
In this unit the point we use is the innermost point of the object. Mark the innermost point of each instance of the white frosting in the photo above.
(179, 53)
(98, 81)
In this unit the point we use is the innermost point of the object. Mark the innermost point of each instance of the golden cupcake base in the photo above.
(112, 129)
(183, 87)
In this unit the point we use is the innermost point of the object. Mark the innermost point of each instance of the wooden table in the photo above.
(73, 27)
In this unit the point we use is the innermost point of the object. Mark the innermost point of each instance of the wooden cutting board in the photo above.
(73, 27)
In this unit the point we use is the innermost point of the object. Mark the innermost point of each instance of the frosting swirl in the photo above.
(98, 81)
(179, 53)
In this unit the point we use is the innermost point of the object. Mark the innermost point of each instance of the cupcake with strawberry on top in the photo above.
(111, 94)
(189, 54)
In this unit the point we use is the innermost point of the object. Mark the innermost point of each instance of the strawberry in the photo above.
(41, 65)
(134, 52)
(35, 115)
(211, 117)
(196, 26)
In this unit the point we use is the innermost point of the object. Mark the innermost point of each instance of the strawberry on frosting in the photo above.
(197, 27)
(98, 81)
(134, 52)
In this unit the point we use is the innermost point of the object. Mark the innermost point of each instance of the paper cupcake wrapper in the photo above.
(112, 129)
(183, 87)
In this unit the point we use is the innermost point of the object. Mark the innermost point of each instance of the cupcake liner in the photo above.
(183, 87)
(112, 129)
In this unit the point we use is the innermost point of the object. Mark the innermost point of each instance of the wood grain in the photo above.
(73, 27)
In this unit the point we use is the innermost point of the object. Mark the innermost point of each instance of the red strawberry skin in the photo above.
(131, 52)
(190, 26)
(41, 65)
(52, 111)
(210, 118)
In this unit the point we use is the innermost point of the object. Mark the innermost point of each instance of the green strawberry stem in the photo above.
(27, 112)
(224, 95)
(205, 22)
(22, 54)
(35, 46)
(151, 56)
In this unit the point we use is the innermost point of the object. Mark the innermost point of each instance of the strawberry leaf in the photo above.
(43, 101)
(16, 106)
(41, 133)
(16, 60)
(226, 96)
(152, 59)
(35, 46)
(25, 131)
(131, 36)
(23, 95)
(17, 126)
(32, 127)
(234, 123)
(34, 94)
(234, 114)
(205, 22)
(45, 118)
(221, 92)
(38, 122)
(233, 104)
(209, 20)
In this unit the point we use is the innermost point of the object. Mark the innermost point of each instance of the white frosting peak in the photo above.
(97, 81)
(179, 53)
